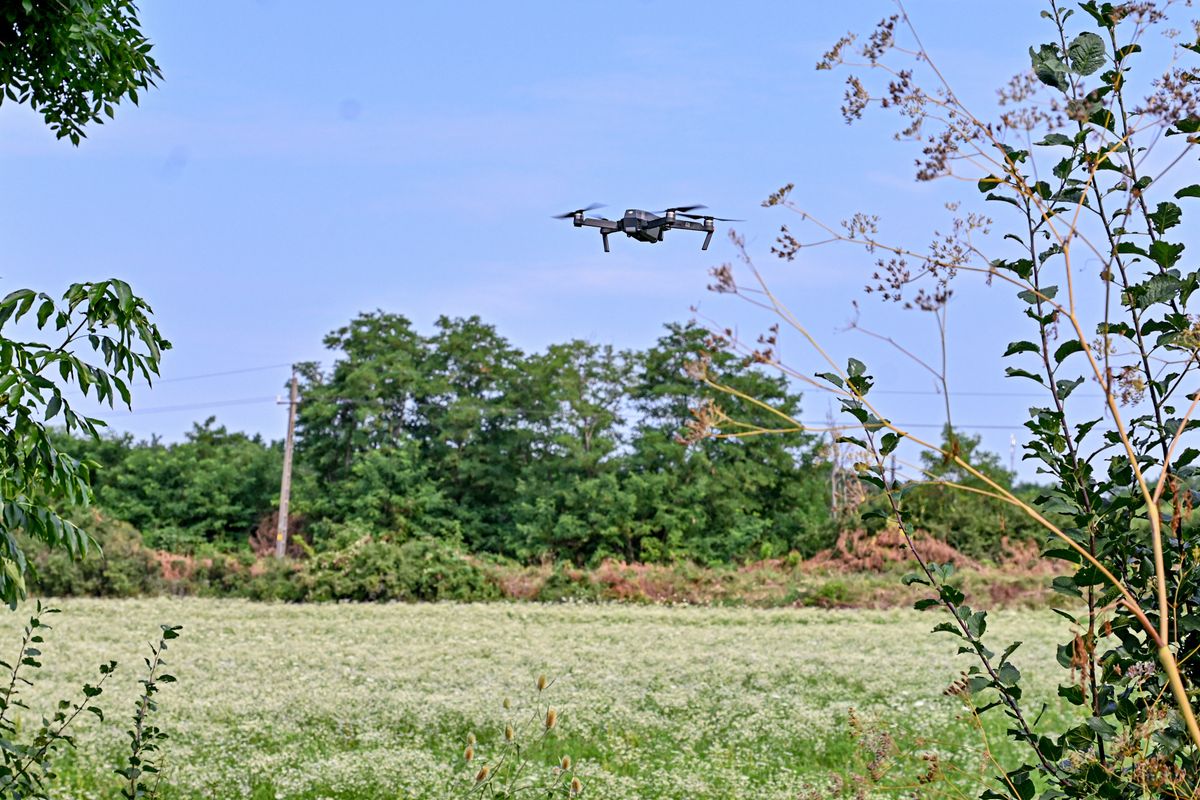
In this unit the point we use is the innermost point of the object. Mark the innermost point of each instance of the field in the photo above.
(376, 701)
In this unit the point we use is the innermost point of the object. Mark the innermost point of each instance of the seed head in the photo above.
(507, 704)
(541, 683)
(551, 718)
(469, 753)
(576, 787)
(508, 733)
(470, 738)
(565, 763)
(483, 773)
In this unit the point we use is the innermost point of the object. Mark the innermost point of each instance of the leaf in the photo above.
(1068, 347)
(1021, 347)
(1086, 53)
(1013, 372)
(1052, 139)
(1165, 254)
(1049, 67)
(832, 378)
(1167, 215)
(989, 183)
(1188, 191)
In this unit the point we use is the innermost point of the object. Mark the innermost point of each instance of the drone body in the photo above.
(647, 226)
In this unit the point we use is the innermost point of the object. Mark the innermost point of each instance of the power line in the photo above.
(221, 374)
(245, 401)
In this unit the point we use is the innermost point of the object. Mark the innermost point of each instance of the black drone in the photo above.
(647, 226)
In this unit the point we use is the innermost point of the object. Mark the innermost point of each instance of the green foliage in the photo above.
(141, 769)
(121, 567)
(1116, 516)
(969, 521)
(572, 453)
(380, 569)
(105, 318)
(28, 756)
(73, 61)
(214, 487)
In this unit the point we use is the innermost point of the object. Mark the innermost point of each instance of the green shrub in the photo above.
(121, 567)
(380, 569)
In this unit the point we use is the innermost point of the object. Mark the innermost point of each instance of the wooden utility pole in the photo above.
(285, 485)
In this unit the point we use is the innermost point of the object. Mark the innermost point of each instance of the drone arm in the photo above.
(604, 235)
(707, 239)
(686, 225)
(605, 225)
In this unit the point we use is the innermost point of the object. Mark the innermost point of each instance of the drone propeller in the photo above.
(702, 216)
(681, 209)
(584, 210)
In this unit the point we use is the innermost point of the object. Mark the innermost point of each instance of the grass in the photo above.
(375, 701)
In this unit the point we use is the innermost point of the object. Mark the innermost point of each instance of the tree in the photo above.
(734, 497)
(212, 488)
(73, 61)
(35, 477)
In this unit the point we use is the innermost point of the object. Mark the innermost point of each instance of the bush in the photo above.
(381, 569)
(122, 567)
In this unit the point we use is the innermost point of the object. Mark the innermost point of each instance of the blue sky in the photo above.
(303, 161)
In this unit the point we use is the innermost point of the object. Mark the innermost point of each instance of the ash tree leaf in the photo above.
(1048, 66)
(1086, 53)
(1188, 191)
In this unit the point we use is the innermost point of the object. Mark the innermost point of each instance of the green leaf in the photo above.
(1165, 254)
(1021, 347)
(1188, 191)
(1067, 348)
(1086, 53)
(1013, 372)
(1166, 216)
(1052, 139)
(989, 183)
(1048, 66)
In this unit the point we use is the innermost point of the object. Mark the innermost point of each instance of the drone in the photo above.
(647, 226)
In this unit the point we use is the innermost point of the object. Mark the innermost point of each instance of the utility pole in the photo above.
(285, 485)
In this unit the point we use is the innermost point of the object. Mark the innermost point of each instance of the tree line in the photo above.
(575, 452)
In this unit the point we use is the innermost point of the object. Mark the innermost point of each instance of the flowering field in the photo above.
(366, 701)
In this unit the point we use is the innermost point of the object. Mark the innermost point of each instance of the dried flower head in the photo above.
(565, 762)
(509, 733)
(576, 787)
(542, 683)
(551, 718)
(483, 773)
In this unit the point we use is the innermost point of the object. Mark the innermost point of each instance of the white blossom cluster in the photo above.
(376, 701)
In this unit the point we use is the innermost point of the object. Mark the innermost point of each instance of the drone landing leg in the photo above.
(604, 235)
(707, 239)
